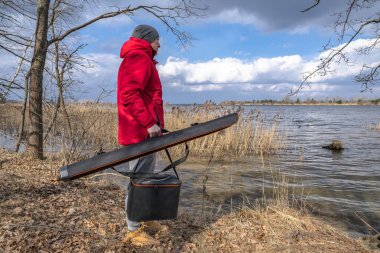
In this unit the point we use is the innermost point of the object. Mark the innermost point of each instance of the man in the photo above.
(139, 98)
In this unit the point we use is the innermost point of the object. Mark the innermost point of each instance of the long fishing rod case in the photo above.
(149, 146)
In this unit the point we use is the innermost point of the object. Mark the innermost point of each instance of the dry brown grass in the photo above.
(253, 134)
(279, 223)
(94, 126)
(40, 214)
(274, 229)
(10, 117)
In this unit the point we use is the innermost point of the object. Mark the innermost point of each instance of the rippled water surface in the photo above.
(339, 186)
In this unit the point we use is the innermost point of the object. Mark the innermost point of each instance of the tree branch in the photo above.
(333, 54)
(15, 54)
(19, 65)
(103, 16)
(311, 7)
(368, 76)
(170, 17)
(183, 37)
(346, 19)
(13, 37)
(18, 8)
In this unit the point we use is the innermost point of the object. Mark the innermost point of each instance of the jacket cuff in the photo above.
(152, 123)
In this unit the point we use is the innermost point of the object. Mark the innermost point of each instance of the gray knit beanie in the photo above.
(145, 32)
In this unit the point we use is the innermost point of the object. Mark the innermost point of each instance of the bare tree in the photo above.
(169, 15)
(23, 113)
(35, 143)
(349, 26)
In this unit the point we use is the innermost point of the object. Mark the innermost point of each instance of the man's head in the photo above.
(145, 32)
(148, 33)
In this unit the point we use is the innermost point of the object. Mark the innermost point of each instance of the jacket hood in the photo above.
(136, 44)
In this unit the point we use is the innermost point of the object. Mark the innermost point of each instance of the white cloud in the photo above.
(229, 70)
(321, 87)
(8, 61)
(236, 16)
(101, 75)
(102, 64)
(121, 20)
(252, 87)
(276, 74)
(207, 87)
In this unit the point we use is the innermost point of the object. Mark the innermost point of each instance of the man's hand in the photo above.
(154, 131)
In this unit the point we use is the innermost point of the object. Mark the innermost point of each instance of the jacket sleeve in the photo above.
(157, 98)
(160, 112)
(134, 79)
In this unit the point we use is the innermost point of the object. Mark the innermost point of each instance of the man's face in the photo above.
(155, 45)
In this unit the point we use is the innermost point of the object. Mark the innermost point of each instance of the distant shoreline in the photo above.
(280, 104)
(237, 103)
(309, 104)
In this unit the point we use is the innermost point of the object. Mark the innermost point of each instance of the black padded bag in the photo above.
(153, 198)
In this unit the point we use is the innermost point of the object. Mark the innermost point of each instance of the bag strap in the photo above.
(177, 162)
(172, 164)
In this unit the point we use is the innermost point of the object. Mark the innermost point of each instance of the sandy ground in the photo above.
(41, 214)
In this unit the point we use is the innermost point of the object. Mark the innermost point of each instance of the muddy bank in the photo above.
(40, 214)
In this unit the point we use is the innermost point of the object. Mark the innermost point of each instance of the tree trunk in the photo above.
(66, 116)
(23, 113)
(35, 144)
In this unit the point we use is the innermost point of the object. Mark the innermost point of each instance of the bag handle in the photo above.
(172, 165)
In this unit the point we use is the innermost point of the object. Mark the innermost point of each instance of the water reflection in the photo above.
(8, 141)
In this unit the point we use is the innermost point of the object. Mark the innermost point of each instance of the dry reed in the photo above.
(10, 117)
(253, 134)
(375, 127)
(94, 128)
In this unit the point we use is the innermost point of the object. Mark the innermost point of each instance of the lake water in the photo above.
(337, 186)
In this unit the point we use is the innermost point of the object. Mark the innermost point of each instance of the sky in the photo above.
(242, 50)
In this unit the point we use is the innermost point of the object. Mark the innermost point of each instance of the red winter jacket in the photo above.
(139, 92)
